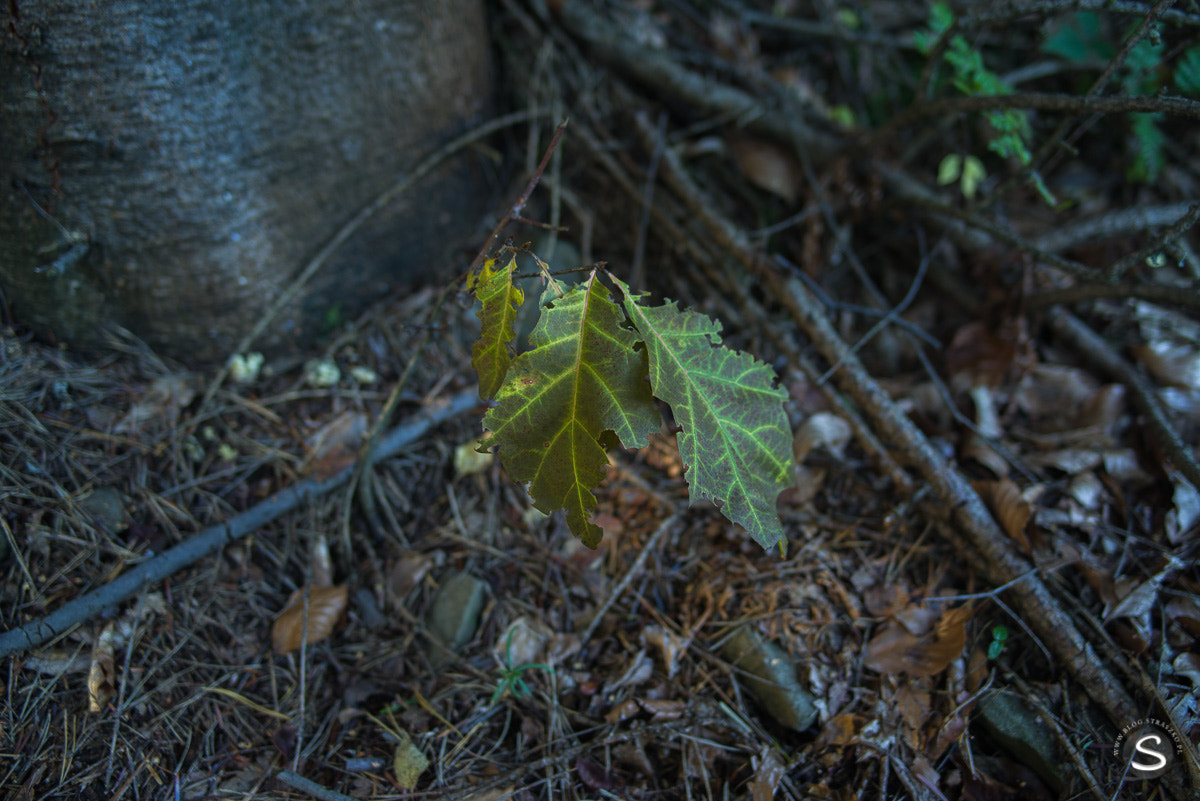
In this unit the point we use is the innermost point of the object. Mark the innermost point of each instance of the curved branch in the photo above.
(1038, 101)
(211, 539)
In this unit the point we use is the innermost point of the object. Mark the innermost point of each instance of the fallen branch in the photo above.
(952, 493)
(213, 538)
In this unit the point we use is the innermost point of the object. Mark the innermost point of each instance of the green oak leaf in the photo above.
(580, 384)
(499, 300)
(735, 438)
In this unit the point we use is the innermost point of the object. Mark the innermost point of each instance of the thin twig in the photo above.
(1138, 218)
(1177, 229)
(630, 575)
(203, 543)
(1036, 101)
(950, 488)
(298, 782)
(365, 460)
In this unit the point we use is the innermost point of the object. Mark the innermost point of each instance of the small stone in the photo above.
(454, 614)
(769, 674)
(105, 509)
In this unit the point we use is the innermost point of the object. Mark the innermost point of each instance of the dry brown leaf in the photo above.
(767, 165)
(1175, 365)
(769, 770)
(408, 763)
(979, 356)
(335, 445)
(840, 730)
(669, 644)
(326, 605)
(102, 679)
(822, 430)
(160, 403)
(1004, 499)
(406, 573)
(896, 650)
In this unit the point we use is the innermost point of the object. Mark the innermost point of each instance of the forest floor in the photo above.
(989, 587)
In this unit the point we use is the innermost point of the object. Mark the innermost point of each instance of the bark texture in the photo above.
(170, 166)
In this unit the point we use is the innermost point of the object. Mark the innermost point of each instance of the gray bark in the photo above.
(194, 154)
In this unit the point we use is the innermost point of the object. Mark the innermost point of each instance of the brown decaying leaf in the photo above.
(1172, 364)
(160, 403)
(767, 165)
(769, 770)
(408, 763)
(326, 605)
(983, 357)
(334, 446)
(101, 681)
(895, 650)
(1004, 499)
(823, 429)
(669, 644)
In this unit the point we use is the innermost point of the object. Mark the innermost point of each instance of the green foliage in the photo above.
(511, 680)
(996, 646)
(1011, 130)
(1187, 72)
(499, 300)
(735, 438)
(969, 172)
(588, 382)
(1081, 38)
(562, 402)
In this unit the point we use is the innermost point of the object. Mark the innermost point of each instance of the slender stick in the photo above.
(203, 543)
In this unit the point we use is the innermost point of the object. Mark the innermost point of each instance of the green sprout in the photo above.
(510, 676)
(999, 636)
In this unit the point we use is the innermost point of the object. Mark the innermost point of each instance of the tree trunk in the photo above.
(170, 166)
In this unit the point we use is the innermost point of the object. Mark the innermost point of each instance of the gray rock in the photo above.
(454, 614)
(769, 674)
(1018, 729)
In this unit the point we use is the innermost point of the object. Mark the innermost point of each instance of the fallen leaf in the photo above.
(335, 445)
(979, 356)
(769, 770)
(767, 165)
(669, 644)
(1175, 365)
(406, 573)
(101, 683)
(326, 605)
(840, 730)
(1004, 499)
(161, 402)
(822, 430)
(409, 763)
(896, 650)
(1185, 511)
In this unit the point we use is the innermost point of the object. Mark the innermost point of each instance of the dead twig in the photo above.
(952, 492)
(213, 538)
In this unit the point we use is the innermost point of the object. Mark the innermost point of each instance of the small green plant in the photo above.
(1081, 38)
(996, 647)
(968, 171)
(598, 358)
(1010, 127)
(511, 680)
